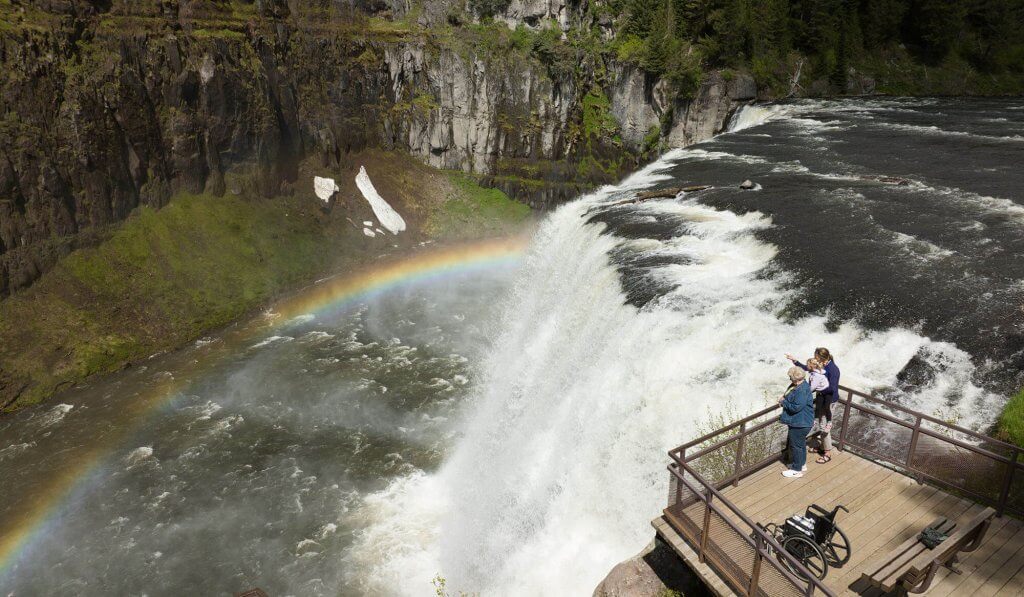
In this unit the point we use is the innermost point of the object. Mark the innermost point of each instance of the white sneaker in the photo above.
(792, 474)
(804, 470)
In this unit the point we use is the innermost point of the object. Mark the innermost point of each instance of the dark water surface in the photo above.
(240, 466)
(886, 212)
(365, 450)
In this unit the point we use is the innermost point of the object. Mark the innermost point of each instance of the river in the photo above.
(505, 426)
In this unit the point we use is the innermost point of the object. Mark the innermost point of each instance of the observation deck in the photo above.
(896, 470)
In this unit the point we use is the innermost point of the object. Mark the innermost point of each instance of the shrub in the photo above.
(1011, 422)
(487, 9)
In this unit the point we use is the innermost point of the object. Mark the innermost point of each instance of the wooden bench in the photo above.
(911, 567)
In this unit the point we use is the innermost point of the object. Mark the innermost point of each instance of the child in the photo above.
(822, 408)
(823, 399)
(816, 376)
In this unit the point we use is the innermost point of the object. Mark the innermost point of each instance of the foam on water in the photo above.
(138, 455)
(271, 340)
(55, 415)
(561, 460)
(546, 442)
(934, 130)
(983, 203)
(15, 449)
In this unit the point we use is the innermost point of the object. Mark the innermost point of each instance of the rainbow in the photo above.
(428, 266)
(80, 471)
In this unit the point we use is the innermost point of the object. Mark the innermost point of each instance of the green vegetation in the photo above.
(224, 33)
(1011, 422)
(163, 278)
(441, 588)
(472, 211)
(720, 464)
(597, 117)
(892, 40)
(420, 105)
(488, 8)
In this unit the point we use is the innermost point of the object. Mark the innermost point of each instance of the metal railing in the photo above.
(919, 445)
(765, 556)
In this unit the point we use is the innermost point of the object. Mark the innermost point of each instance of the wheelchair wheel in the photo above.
(838, 549)
(808, 553)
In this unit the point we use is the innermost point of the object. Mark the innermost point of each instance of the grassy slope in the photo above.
(164, 278)
(471, 210)
(1011, 422)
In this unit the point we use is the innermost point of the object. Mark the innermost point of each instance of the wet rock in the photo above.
(630, 106)
(859, 84)
(155, 110)
(632, 578)
(668, 193)
(536, 14)
(747, 185)
(705, 115)
(742, 87)
(654, 572)
(671, 192)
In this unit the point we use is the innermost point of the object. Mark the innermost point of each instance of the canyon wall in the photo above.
(114, 104)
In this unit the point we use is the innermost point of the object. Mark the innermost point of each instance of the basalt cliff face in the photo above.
(106, 106)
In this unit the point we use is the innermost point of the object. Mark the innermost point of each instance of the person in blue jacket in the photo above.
(798, 415)
(826, 398)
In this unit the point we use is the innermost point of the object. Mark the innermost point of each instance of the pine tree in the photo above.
(660, 40)
(640, 18)
(937, 25)
(838, 76)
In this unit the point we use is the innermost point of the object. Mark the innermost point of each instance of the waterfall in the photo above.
(560, 459)
(755, 114)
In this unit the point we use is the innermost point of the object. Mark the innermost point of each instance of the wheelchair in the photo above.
(813, 539)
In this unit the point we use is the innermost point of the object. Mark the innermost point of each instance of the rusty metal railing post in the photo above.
(679, 493)
(1011, 468)
(846, 421)
(739, 454)
(916, 433)
(707, 523)
(755, 574)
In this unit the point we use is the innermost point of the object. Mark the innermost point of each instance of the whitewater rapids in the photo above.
(506, 428)
(560, 465)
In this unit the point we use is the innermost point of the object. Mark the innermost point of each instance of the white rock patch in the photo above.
(369, 232)
(388, 217)
(325, 188)
(138, 455)
(207, 69)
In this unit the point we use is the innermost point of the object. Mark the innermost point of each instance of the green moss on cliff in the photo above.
(161, 279)
(471, 210)
(597, 117)
(1011, 422)
(165, 277)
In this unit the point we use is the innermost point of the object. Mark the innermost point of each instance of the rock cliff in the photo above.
(654, 572)
(110, 105)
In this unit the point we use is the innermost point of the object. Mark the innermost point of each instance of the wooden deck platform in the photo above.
(886, 509)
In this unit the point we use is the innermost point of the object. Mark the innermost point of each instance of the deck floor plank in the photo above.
(778, 491)
(984, 562)
(1009, 578)
(886, 509)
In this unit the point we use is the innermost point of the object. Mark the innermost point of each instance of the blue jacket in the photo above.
(832, 373)
(798, 407)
